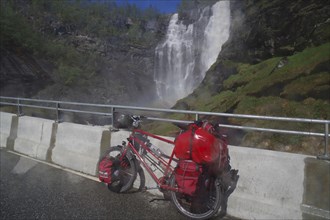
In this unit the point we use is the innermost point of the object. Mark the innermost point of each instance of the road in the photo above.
(34, 190)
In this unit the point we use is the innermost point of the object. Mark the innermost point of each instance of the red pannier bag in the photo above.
(105, 169)
(186, 176)
(200, 144)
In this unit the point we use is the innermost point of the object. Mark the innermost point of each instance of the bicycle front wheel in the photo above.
(205, 204)
(124, 171)
(140, 180)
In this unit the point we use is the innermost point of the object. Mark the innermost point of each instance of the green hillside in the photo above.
(302, 80)
(295, 86)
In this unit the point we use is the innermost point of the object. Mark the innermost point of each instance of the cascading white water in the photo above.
(182, 60)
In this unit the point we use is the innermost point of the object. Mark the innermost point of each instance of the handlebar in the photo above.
(136, 120)
(127, 121)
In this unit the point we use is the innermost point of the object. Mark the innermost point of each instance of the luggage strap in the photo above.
(191, 142)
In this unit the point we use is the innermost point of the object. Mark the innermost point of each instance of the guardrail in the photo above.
(110, 111)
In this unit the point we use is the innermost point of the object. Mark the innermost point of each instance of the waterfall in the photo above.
(182, 60)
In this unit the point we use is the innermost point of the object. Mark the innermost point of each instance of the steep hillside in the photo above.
(297, 78)
(78, 50)
(276, 63)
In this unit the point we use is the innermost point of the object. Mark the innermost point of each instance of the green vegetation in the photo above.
(255, 79)
(16, 30)
(34, 27)
(317, 83)
(255, 86)
(251, 73)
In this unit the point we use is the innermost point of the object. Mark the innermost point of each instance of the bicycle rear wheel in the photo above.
(124, 171)
(203, 205)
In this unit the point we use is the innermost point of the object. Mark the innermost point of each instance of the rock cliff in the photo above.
(99, 53)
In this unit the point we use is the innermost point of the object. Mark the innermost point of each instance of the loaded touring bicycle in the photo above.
(196, 176)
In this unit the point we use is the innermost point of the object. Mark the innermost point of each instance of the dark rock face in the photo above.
(126, 77)
(22, 74)
(215, 80)
(263, 29)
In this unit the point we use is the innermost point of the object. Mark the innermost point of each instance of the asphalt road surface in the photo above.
(33, 190)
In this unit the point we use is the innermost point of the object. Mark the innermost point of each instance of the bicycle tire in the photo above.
(208, 209)
(139, 182)
(126, 168)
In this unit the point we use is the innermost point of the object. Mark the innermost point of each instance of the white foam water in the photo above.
(182, 60)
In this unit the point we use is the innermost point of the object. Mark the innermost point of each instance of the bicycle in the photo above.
(198, 190)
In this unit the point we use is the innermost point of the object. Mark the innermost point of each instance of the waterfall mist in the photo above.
(182, 60)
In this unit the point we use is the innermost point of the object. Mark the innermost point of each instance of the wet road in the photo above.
(33, 190)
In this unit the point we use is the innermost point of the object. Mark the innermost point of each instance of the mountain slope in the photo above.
(276, 63)
(86, 51)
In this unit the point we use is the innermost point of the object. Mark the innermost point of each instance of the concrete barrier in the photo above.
(316, 199)
(79, 147)
(117, 137)
(34, 137)
(8, 129)
(271, 184)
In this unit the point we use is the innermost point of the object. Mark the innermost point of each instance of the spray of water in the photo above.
(182, 60)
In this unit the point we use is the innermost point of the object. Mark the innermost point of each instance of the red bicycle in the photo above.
(196, 177)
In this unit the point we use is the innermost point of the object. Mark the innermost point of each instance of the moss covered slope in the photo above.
(295, 86)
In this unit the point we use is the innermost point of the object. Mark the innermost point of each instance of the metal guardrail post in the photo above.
(19, 108)
(196, 117)
(326, 155)
(112, 116)
(57, 112)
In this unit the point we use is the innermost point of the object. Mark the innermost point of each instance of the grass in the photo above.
(300, 87)
(249, 73)
(253, 79)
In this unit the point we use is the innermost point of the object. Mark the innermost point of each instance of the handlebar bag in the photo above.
(186, 175)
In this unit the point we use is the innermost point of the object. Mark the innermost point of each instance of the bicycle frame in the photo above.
(161, 184)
